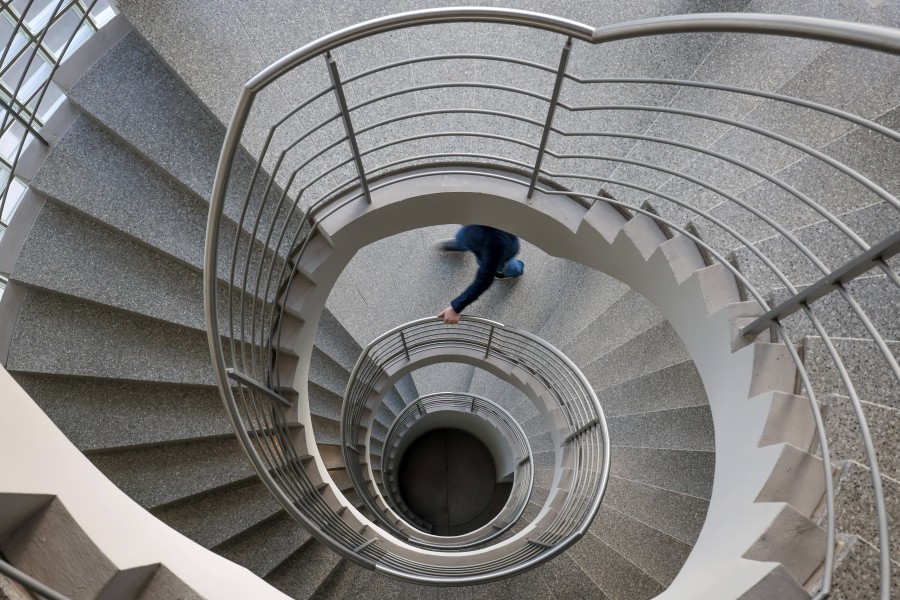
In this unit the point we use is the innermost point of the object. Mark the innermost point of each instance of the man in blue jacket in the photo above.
(494, 250)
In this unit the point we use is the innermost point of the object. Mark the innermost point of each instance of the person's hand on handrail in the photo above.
(450, 316)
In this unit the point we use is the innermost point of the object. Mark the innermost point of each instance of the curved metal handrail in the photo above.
(503, 422)
(570, 395)
(295, 196)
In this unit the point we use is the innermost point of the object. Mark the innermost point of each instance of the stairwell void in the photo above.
(713, 250)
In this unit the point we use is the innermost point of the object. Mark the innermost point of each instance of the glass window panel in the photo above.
(41, 12)
(11, 140)
(13, 199)
(38, 74)
(53, 97)
(83, 34)
(14, 48)
(103, 17)
(60, 32)
(13, 76)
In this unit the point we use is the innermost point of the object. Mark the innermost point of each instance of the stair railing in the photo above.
(300, 175)
(499, 418)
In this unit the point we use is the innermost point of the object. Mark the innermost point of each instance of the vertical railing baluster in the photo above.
(405, 347)
(551, 110)
(348, 124)
(488, 349)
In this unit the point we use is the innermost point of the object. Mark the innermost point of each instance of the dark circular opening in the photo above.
(448, 478)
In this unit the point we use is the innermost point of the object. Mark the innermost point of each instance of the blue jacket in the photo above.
(493, 248)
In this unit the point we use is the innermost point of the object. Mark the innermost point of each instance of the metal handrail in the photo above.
(497, 416)
(29, 583)
(487, 340)
(295, 193)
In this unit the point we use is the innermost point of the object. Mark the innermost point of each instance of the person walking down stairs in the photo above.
(494, 250)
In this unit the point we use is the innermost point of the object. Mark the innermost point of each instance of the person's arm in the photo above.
(490, 264)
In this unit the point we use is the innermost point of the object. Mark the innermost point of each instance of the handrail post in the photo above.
(487, 350)
(348, 124)
(405, 347)
(554, 101)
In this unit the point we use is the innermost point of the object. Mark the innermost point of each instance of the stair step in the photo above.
(877, 296)
(844, 438)
(93, 263)
(186, 469)
(348, 580)
(304, 571)
(323, 402)
(615, 575)
(657, 348)
(327, 373)
(685, 471)
(855, 508)
(869, 371)
(63, 336)
(215, 516)
(588, 299)
(333, 339)
(326, 431)
(566, 579)
(856, 572)
(689, 428)
(133, 414)
(873, 223)
(630, 316)
(659, 555)
(678, 515)
(265, 545)
(669, 388)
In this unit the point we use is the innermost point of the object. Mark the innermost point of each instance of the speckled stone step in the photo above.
(305, 570)
(877, 296)
(616, 576)
(62, 336)
(264, 546)
(868, 369)
(657, 348)
(158, 475)
(628, 317)
(689, 428)
(856, 571)
(658, 555)
(673, 387)
(217, 515)
(873, 223)
(133, 413)
(844, 438)
(855, 508)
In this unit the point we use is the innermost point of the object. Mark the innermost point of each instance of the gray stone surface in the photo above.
(655, 349)
(213, 517)
(327, 373)
(68, 337)
(327, 431)
(657, 554)
(844, 436)
(855, 506)
(868, 369)
(677, 386)
(877, 296)
(678, 429)
(628, 317)
(677, 515)
(92, 262)
(305, 570)
(872, 223)
(132, 414)
(263, 547)
(856, 572)
(566, 579)
(615, 575)
(159, 475)
(335, 341)
(324, 403)
(689, 472)
(594, 293)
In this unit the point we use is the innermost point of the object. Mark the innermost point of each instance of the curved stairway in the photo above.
(110, 342)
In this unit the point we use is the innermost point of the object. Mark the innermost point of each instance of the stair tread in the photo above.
(303, 571)
(266, 545)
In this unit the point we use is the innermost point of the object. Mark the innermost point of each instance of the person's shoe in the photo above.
(448, 245)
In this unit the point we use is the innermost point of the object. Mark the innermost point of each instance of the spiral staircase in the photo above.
(708, 218)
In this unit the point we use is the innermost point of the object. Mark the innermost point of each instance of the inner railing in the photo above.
(503, 422)
(543, 114)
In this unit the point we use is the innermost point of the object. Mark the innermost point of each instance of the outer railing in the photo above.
(30, 583)
(304, 161)
(523, 474)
